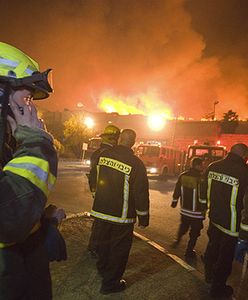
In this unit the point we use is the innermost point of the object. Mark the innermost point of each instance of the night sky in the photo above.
(162, 54)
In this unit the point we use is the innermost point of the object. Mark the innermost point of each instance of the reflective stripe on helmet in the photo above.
(11, 58)
(34, 169)
(8, 62)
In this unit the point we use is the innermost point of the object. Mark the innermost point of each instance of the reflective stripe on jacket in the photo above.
(34, 169)
(188, 189)
(225, 184)
(121, 188)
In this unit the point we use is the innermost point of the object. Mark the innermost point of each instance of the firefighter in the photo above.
(122, 193)
(25, 180)
(225, 183)
(109, 138)
(193, 208)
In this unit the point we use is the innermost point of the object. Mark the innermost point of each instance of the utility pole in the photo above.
(215, 103)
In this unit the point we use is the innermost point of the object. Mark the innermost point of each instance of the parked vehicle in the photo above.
(160, 160)
(209, 153)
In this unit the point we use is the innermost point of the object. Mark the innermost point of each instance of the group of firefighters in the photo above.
(120, 189)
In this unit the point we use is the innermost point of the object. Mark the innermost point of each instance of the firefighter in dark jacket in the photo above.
(193, 208)
(109, 138)
(25, 180)
(225, 184)
(122, 194)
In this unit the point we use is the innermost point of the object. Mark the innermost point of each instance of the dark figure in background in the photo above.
(109, 138)
(225, 183)
(193, 208)
(26, 179)
(122, 193)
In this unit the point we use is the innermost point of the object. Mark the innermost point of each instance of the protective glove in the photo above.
(53, 212)
(241, 249)
(173, 203)
(143, 221)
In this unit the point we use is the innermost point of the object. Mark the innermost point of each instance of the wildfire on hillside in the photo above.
(146, 104)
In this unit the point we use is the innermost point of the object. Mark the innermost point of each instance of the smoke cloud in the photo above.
(126, 48)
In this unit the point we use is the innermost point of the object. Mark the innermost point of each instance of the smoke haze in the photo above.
(127, 48)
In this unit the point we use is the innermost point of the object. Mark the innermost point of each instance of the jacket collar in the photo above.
(235, 157)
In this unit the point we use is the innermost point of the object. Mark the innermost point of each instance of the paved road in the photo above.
(72, 193)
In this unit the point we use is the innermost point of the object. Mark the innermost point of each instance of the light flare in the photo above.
(156, 122)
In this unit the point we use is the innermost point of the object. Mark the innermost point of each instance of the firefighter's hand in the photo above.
(241, 250)
(174, 204)
(52, 211)
(59, 214)
(24, 111)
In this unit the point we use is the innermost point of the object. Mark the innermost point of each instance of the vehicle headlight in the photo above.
(153, 170)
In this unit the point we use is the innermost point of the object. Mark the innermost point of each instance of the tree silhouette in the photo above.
(76, 133)
(230, 122)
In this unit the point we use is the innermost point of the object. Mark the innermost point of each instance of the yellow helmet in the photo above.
(110, 134)
(20, 70)
(111, 130)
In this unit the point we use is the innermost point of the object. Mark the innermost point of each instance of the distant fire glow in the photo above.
(147, 104)
(156, 122)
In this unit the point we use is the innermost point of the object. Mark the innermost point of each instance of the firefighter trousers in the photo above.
(24, 270)
(218, 256)
(195, 225)
(114, 244)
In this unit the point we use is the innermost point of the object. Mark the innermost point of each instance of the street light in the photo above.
(89, 122)
(156, 122)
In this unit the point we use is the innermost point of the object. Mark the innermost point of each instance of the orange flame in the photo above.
(146, 104)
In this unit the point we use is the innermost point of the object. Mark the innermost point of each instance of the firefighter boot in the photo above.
(117, 288)
(190, 253)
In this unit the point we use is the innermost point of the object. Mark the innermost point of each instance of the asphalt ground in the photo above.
(151, 273)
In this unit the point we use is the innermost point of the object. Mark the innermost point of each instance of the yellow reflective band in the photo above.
(203, 201)
(142, 213)
(3, 245)
(209, 191)
(223, 178)
(33, 169)
(112, 218)
(233, 208)
(125, 196)
(244, 226)
(115, 164)
(226, 230)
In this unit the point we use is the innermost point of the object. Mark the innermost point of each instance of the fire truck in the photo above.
(159, 160)
(208, 153)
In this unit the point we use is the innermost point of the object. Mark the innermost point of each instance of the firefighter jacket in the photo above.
(122, 191)
(25, 183)
(93, 162)
(188, 188)
(225, 184)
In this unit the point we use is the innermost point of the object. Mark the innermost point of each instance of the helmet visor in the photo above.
(39, 82)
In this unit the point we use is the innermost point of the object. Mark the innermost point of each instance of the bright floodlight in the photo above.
(156, 122)
(89, 122)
